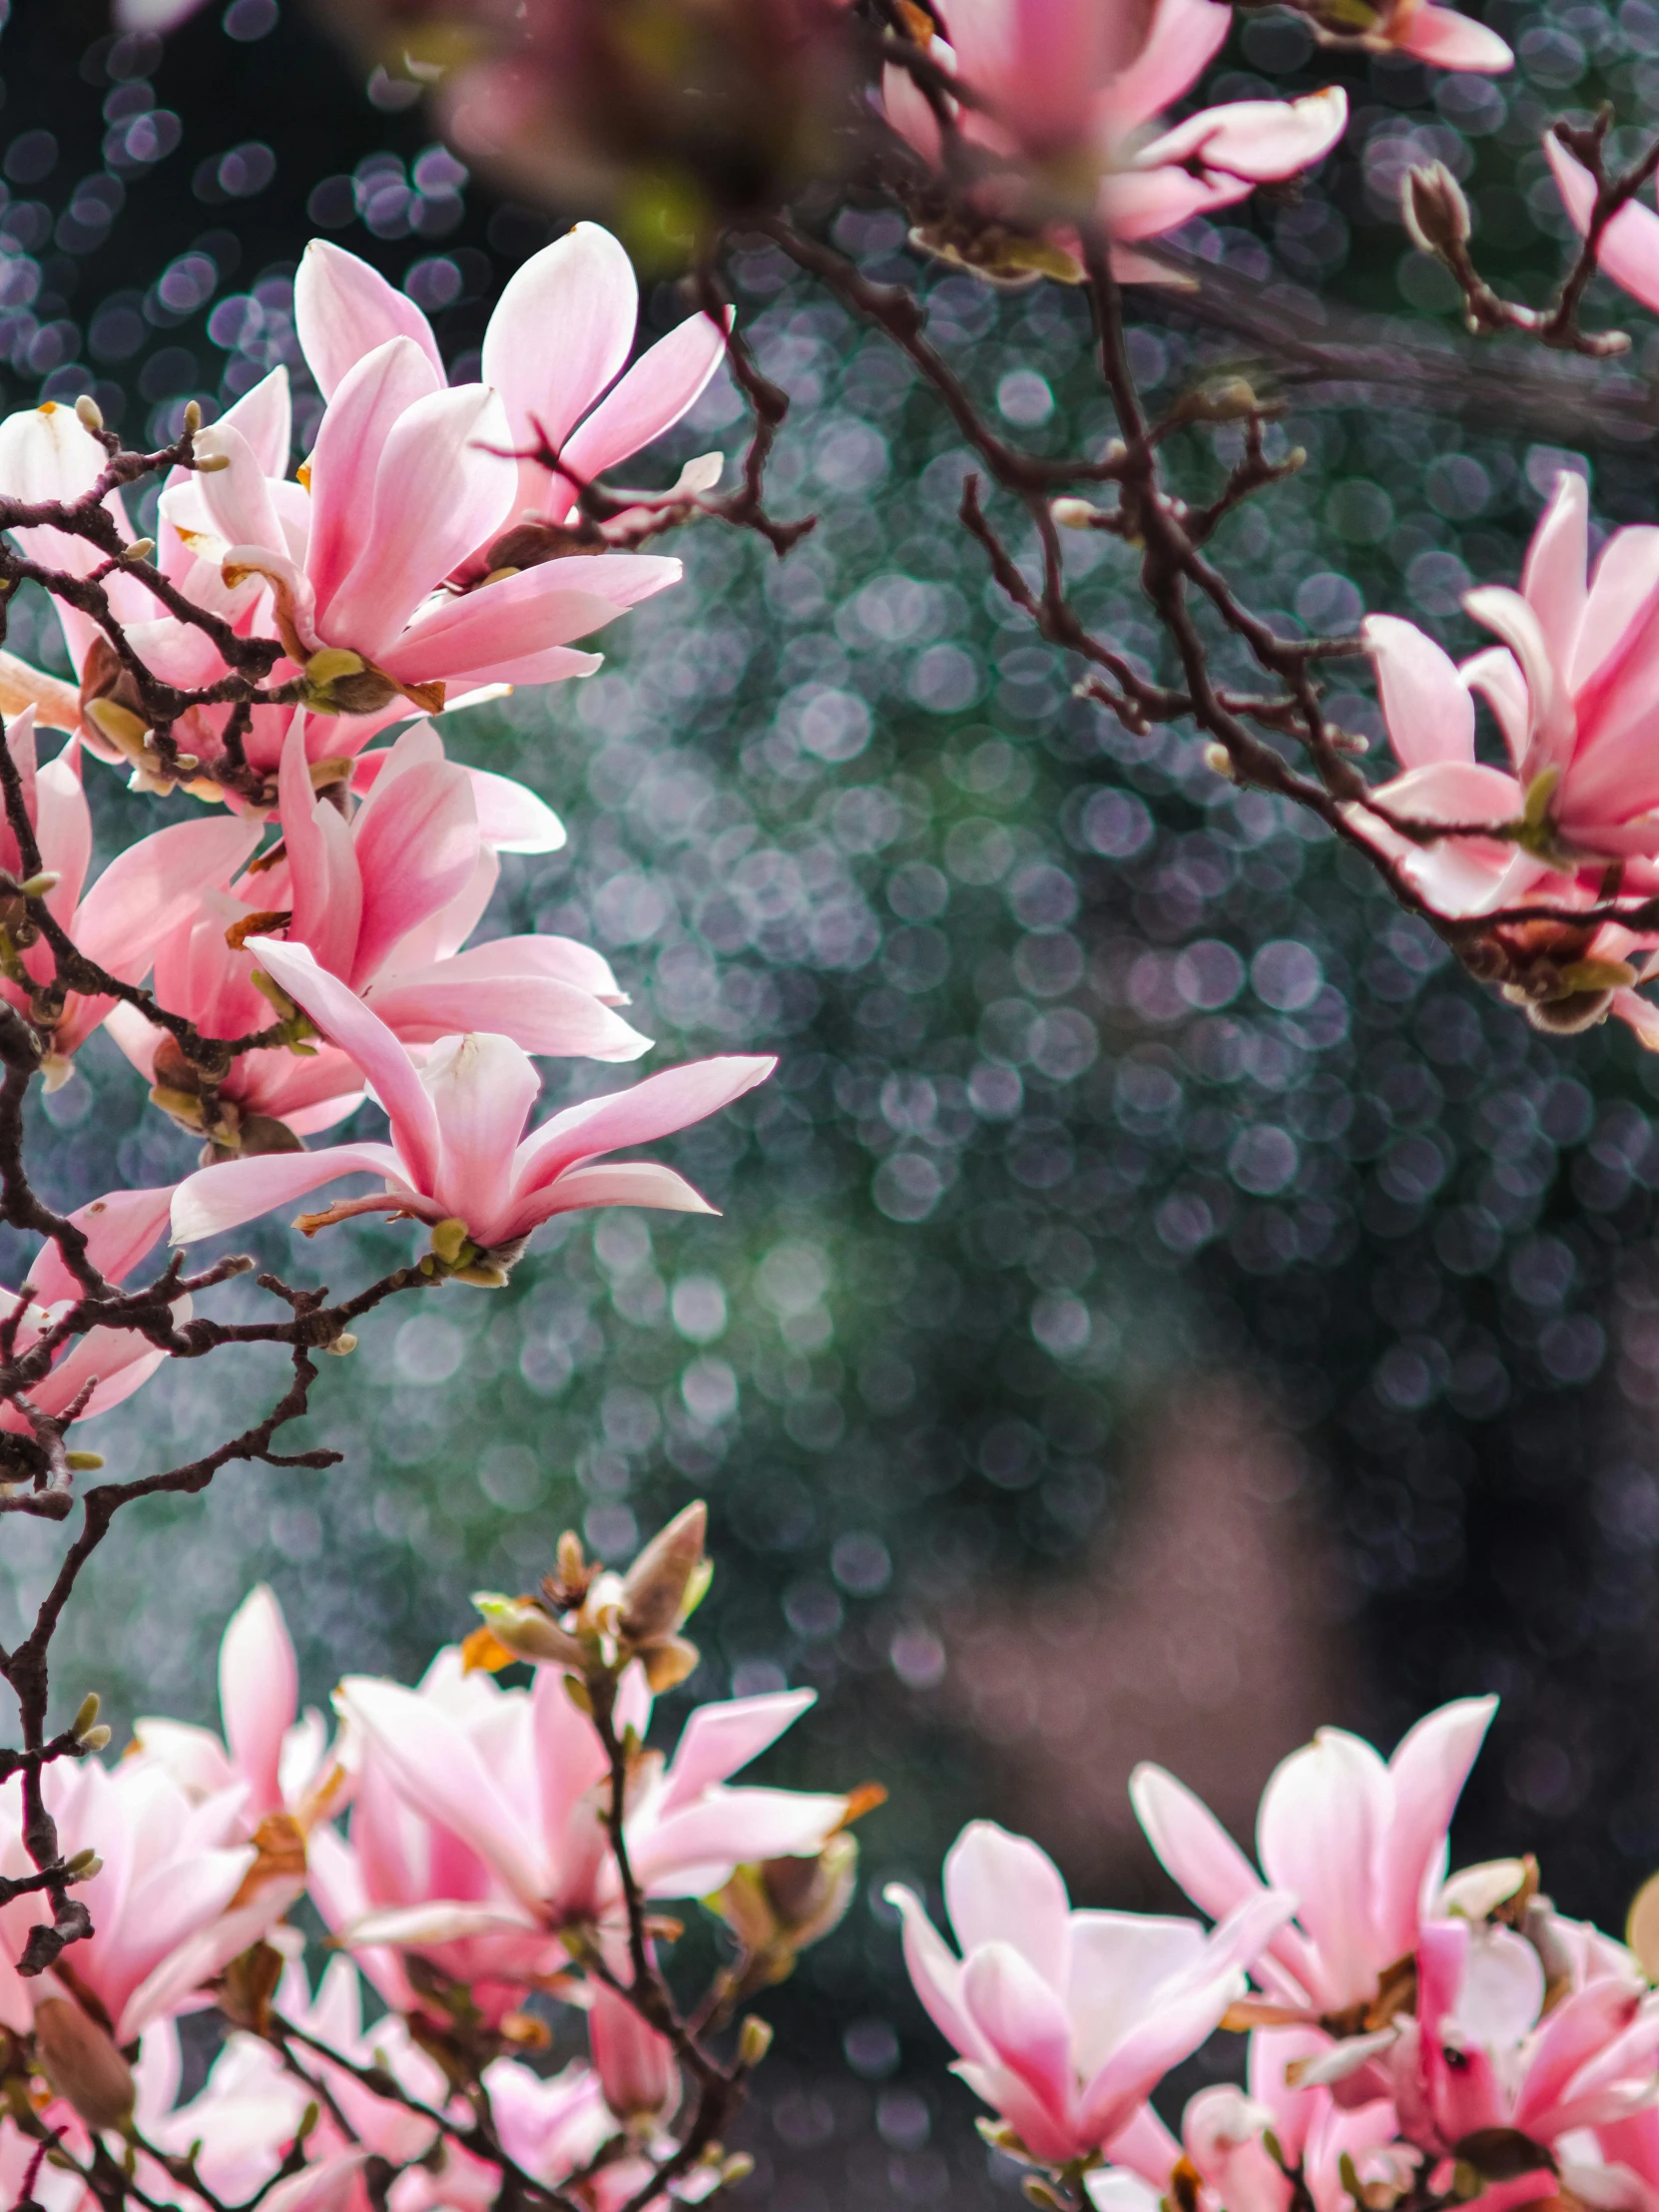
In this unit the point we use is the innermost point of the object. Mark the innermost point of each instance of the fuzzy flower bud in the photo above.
(82, 2063)
(777, 1906)
(1434, 211)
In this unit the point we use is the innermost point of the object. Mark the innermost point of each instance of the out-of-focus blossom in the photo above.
(177, 1897)
(1442, 37)
(280, 1757)
(382, 896)
(555, 349)
(1066, 2020)
(1360, 1845)
(476, 1832)
(460, 1157)
(1067, 93)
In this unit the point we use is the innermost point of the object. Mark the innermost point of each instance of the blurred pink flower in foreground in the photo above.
(1360, 1846)
(476, 1832)
(459, 1154)
(280, 1757)
(1066, 2020)
(1075, 87)
(1628, 247)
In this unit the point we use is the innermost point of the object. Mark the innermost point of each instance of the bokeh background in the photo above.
(1160, 1304)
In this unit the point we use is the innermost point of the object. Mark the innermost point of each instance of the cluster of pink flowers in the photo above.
(338, 887)
(1416, 2038)
(453, 1839)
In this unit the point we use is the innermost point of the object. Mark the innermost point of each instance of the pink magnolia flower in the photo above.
(279, 1758)
(1484, 2054)
(1628, 247)
(1078, 87)
(553, 2127)
(1222, 2139)
(382, 898)
(555, 350)
(179, 1893)
(476, 1832)
(458, 1150)
(145, 891)
(47, 453)
(1572, 688)
(120, 1229)
(406, 480)
(1361, 1847)
(1065, 2021)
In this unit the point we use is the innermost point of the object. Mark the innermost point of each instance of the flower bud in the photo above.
(96, 1739)
(140, 549)
(634, 2063)
(754, 2042)
(82, 2063)
(85, 1462)
(777, 1906)
(37, 886)
(668, 1578)
(520, 1624)
(1435, 211)
(87, 1717)
(88, 413)
(1073, 515)
(192, 417)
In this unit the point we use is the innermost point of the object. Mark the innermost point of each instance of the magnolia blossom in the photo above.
(98, 1368)
(1485, 2053)
(1222, 2141)
(555, 347)
(1438, 36)
(383, 898)
(1075, 88)
(281, 1758)
(145, 891)
(1066, 2020)
(459, 1152)
(178, 1896)
(476, 1832)
(1360, 1845)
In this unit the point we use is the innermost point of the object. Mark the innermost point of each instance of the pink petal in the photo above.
(482, 1088)
(1629, 247)
(1322, 1815)
(1181, 38)
(347, 1022)
(501, 624)
(440, 489)
(265, 416)
(1581, 2026)
(63, 830)
(1116, 1966)
(438, 1771)
(121, 1227)
(1621, 599)
(1496, 676)
(935, 1972)
(344, 309)
(1173, 2033)
(1553, 578)
(237, 1191)
(1512, 618)
(662, 384)
(1446, 40)
(719, 1739)
(258, 1693)
(537, 1012)
(1191, 1843)
(1426, 704)
(1427, 1774)
(326, 888)
(416, 844)
(1003, 1889)
(1019, 2016)
(373, 396)
(512, 817)
(1254, 140)
(619, 1183)
(560, 333)
(153, 885)
(634, 2063)
(654, 1108)
(238, 497)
